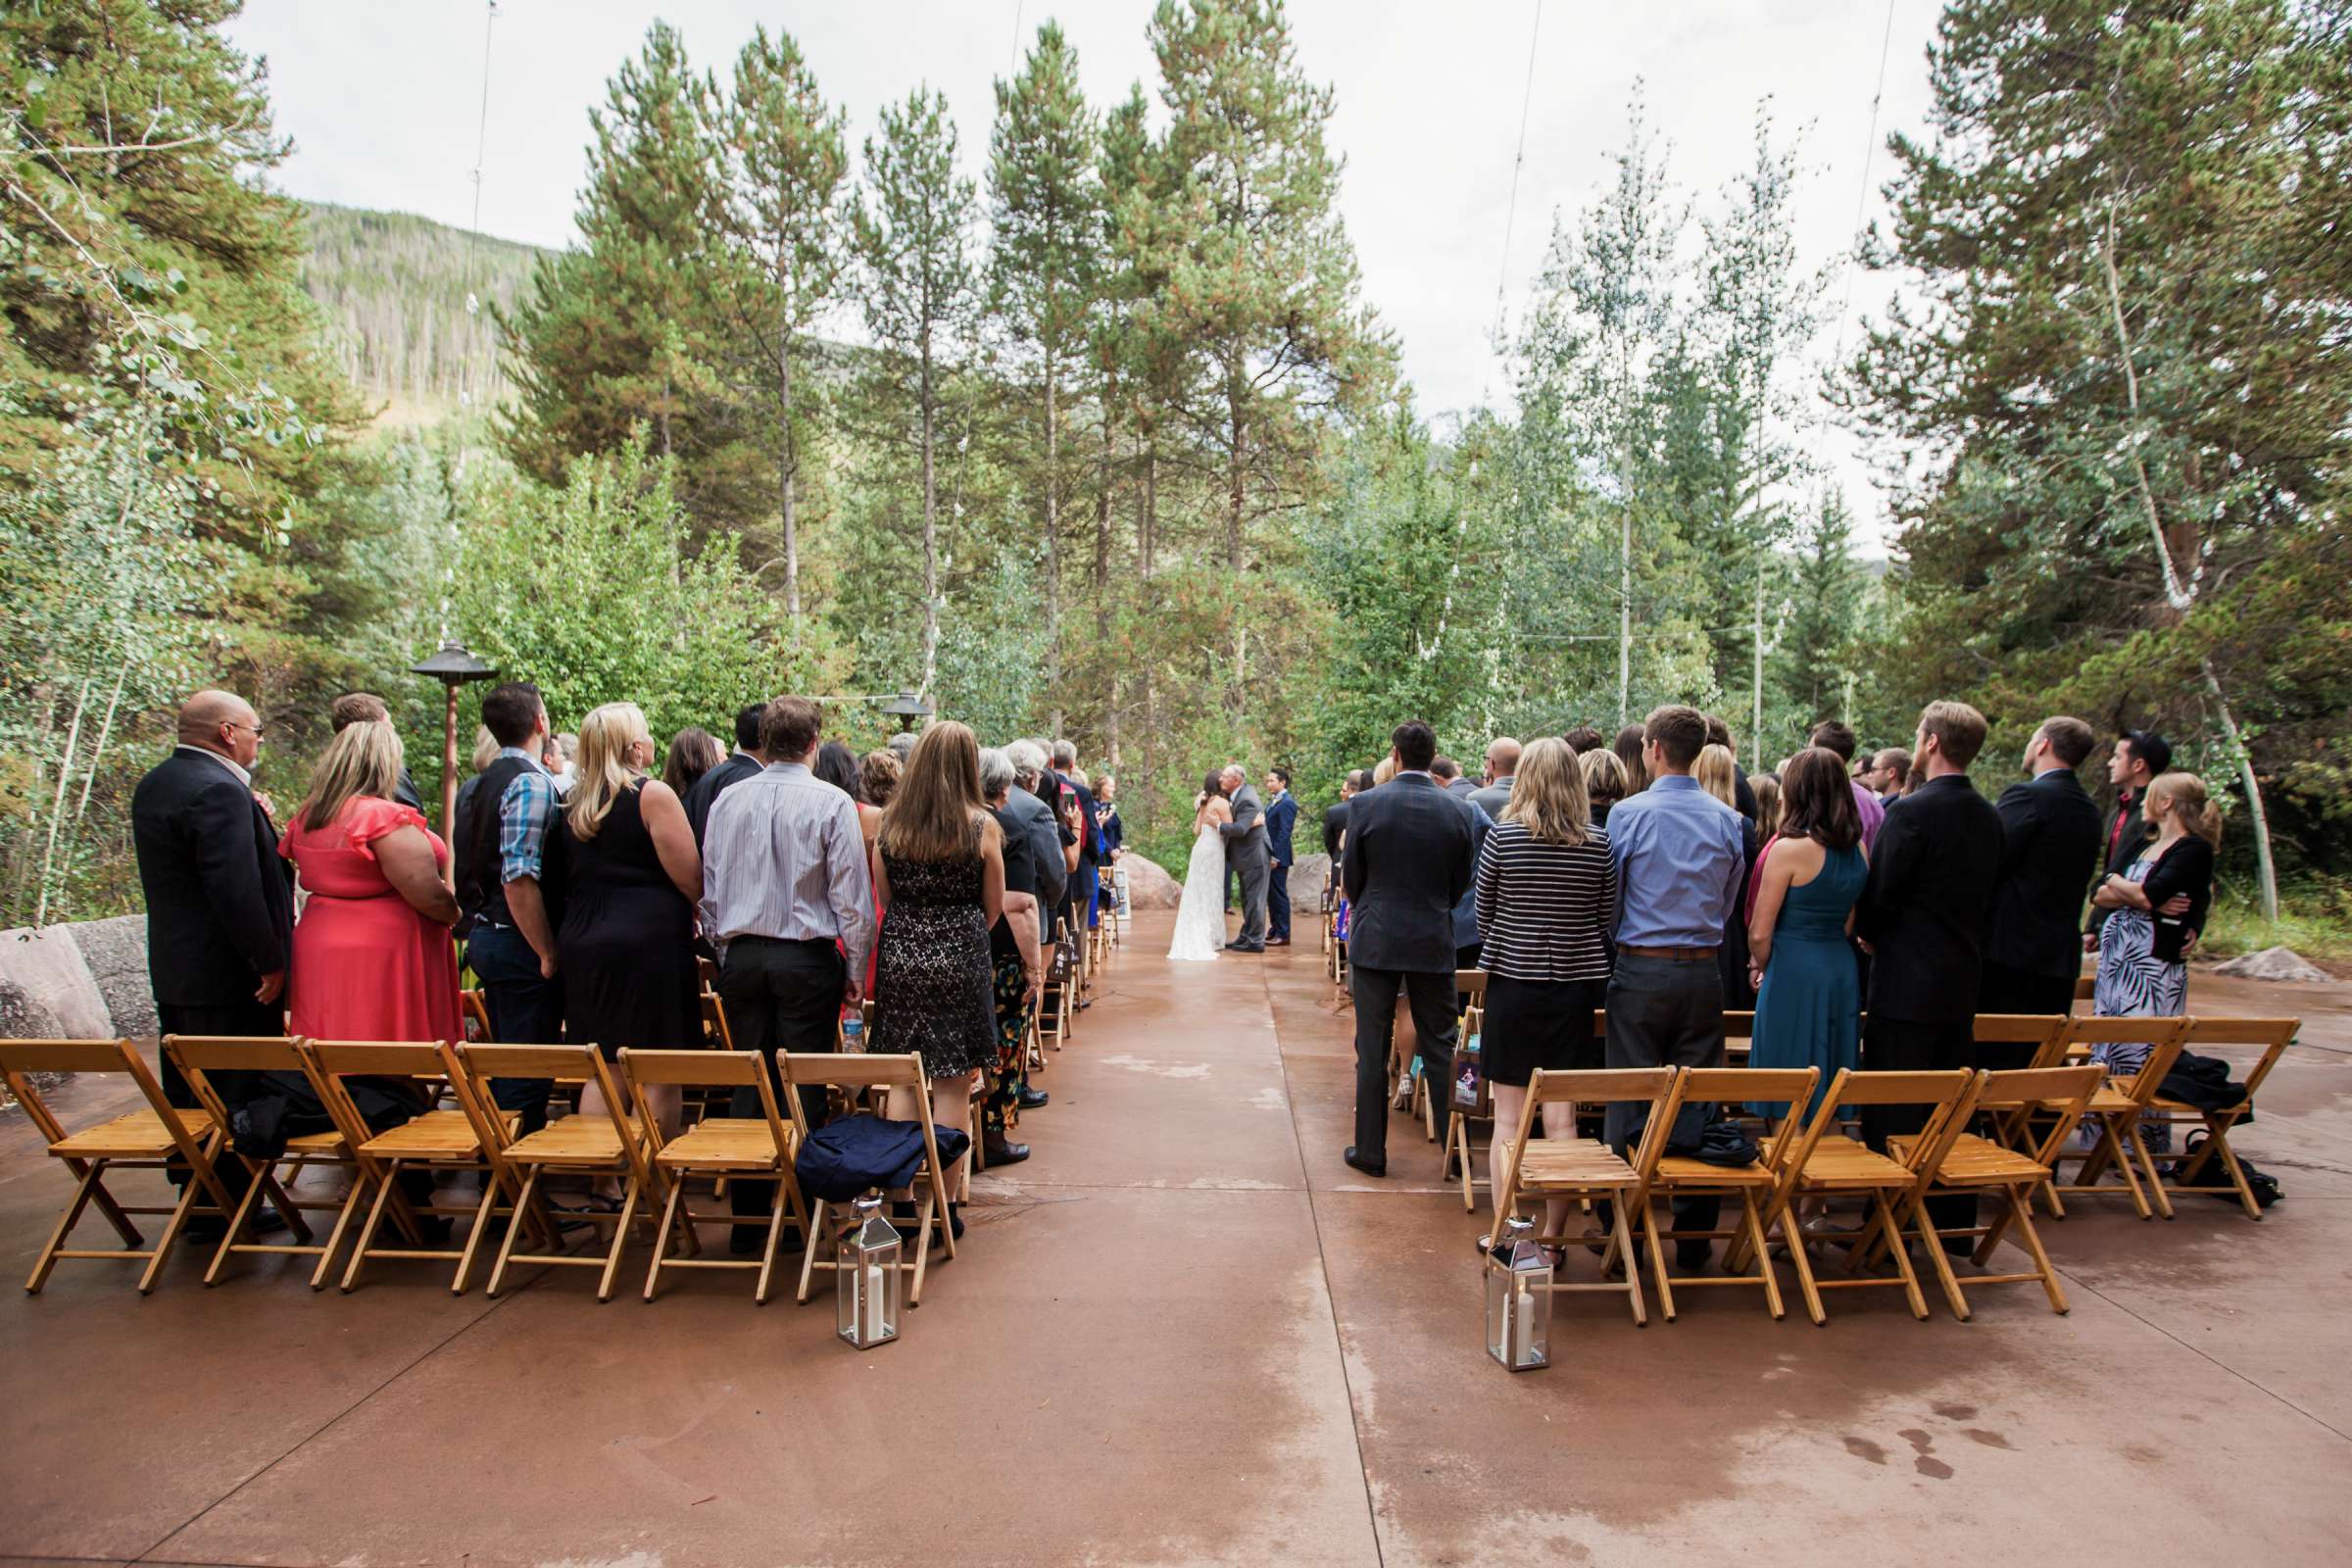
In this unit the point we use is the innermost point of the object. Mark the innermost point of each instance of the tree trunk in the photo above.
(1109, 729)
(787, 471)
(1235, 498)
(1053, 545)
(2245, 773)
(1624, 615)
(930, 529)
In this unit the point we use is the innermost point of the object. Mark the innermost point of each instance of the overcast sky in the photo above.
(383, 102)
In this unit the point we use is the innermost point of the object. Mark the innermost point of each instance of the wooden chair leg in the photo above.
(817, 1223)
(1751, 1227)
(1458, 1144)
(505, 1245)
(1625, 1249)
(1933, 1241)
(768, 1253)
(621, 1239)
(1884, 1219)
(236, 1229)
(922, 1248)
(2220, 1139)
(2050, 1285)
(389, 1179)
(1792, 1237)
(1657, 1260)
(2147, 1164)
(484, 1217)
(343, 1216)
(82, 1191)
(177, 1222)
(669, 1219)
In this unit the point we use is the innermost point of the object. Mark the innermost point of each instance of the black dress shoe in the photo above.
(1246, 947)
(1367, 1166)
(1004, 1150)
(1034, 1098)
(1690, 1257)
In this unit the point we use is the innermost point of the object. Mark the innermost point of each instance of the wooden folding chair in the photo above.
(854, 1075)
(2116, 1109)
(744, 1147)
(1739, 1035)
(2086, 987)
(2050, 1098)
(2031, 1039)
(1825, 1164)
(153, 1139)
(1053, 1005)
(1751, 1185)
(587, 1144)
(2274, 1036)
(1471, 982)
(437, 1141)
(1542, 1168)
(198, 1058)
(476, 1014)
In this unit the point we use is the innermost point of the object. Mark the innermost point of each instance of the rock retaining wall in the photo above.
(85, 980)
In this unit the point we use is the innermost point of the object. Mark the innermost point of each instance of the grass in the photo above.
(2314, 918)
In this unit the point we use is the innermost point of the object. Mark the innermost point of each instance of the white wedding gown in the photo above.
(1201, 914)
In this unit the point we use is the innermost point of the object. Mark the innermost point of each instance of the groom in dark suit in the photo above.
(1246, 853)
(1408, 863)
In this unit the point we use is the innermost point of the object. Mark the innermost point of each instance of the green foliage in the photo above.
(590, 593)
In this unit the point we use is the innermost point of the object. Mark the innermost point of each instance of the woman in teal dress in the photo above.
(1808, 1001)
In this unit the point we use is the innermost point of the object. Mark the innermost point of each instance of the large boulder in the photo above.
(1147, 886)
(46, 990)
(116, 952)
(1309, 875)
(2276, 963)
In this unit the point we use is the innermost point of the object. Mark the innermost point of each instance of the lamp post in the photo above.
(453, 667)
(908, 708)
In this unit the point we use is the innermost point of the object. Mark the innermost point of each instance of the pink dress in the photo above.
(366, 967)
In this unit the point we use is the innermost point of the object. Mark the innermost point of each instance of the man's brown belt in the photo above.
(1676, 955)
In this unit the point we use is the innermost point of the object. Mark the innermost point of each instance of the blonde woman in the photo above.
(1715, 772)
(1546, 895)
(373, 958)
(2159, 901)
(1605, 781)
(623, 868)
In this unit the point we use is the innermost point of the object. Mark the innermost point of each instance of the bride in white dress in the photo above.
(1200, 915)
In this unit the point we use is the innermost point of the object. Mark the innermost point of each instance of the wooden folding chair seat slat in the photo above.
(2116, 1110)
(760, 1147)
(2273, 1036)
(467, 1137)
(900, 1075)
(1751, 1185)
(1544, 1168)
(605, 1142)
(198, 1058)
(156, 1137)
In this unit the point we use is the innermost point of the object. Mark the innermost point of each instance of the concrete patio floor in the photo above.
(1185, 1332)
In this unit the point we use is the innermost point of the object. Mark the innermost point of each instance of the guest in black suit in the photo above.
(1923, 912)
(1335, 818)
(1410, 854)
(2050, 845)
(2138, 757)
(744, 762)
(219, 904)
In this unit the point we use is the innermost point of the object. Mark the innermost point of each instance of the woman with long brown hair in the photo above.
(939, 876)
(1809, 996)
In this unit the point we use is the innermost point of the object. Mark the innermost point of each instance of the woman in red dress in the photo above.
(372, 955)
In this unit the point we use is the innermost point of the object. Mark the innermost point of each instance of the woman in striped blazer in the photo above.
(1546, 897)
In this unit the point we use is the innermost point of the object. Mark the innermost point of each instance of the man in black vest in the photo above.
(512, 948)
(2050, 845)
(1924, 911)
(220, 903)
(1409, 861)
(2139, 756)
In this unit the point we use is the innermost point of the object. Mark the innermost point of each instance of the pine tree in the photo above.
(1815, 657)
(917, 288)
(1045, 269)
(788, 228)
(620, 330)
(1260, 280)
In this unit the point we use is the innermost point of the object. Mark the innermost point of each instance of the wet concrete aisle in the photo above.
(1185, 1332)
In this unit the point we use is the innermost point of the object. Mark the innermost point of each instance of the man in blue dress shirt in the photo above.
(1679, 856)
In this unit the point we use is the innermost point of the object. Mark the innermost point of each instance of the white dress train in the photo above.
(1201, 914)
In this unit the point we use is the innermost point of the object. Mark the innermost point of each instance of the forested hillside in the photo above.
(406, 305)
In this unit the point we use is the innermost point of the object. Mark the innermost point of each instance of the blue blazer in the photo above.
(1281, 817)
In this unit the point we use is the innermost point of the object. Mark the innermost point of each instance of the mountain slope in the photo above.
(394, 289)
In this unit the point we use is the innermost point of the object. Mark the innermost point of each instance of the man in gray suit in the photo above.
(1502, 769)
(1246, 853)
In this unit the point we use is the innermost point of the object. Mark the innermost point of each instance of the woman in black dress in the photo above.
(627, 874)
(939, 876)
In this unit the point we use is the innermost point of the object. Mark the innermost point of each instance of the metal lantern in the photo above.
(909, 708)
(1519, 1300)
(867, 1278)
